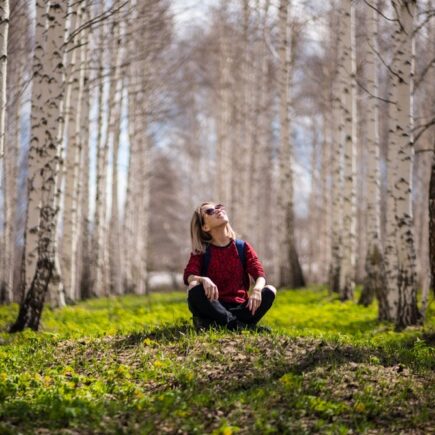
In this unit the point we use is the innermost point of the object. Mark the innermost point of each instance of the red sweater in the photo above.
(226, 270)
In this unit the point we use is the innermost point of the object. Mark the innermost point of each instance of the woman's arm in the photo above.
(259, 284)
(193, 268)
(191, 278)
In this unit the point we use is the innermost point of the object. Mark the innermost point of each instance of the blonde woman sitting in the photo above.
(217, 275)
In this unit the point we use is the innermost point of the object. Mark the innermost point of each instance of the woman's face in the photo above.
(213, 216)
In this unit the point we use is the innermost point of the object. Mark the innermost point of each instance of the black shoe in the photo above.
(258, 328)
(203, 324)
(237, 325)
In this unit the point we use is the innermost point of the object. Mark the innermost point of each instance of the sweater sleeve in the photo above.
(253, 264)
(193, 267)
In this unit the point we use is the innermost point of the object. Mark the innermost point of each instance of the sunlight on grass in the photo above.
(136, 361)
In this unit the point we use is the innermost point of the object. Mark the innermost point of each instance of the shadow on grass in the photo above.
(336, 355)
(320, 356)
(163, 334)
(429, 338)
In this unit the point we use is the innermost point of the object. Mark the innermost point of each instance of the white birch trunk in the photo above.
(290, 271)
(115, 235)
(100, 283)
(9, 154)
(374, 283)
(403, 85)
(325, 200)
(401, 272)
(49, 154)
(73, 102)
(428, 210)
(136, 216)
(84, 268)
(4, 29)
(40, 99)
(336, 161)
(223, 146)
(247, 124)
(128, 224)
(347, 271)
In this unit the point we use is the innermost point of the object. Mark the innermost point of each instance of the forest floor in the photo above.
(135, 365)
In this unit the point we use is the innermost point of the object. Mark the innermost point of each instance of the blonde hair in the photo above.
(201, 238)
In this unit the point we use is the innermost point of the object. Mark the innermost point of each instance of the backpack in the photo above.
(240, 245)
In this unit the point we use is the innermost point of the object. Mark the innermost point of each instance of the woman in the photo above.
(218, 272)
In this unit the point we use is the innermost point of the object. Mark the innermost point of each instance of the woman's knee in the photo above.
(270, 288)
(192, 284)
(195, 290)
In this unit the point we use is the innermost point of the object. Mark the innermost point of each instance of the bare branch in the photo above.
(420, 26)
(96, 20)
(427, 68)
(379, 11)
(423, 127)
(371, 95)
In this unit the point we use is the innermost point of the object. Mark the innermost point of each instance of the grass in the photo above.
(134, 365)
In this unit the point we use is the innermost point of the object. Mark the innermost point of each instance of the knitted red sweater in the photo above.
(226, 270)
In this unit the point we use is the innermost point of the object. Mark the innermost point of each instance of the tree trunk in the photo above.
(100, 288)
(374, 282)
(48, 147)
(115, 236)
(402, 285)
(223, 116)
(84, 267)
(336, 159)
(39, 103)
(10, 153)
(290, 270)
(432, 224)
(348, 90)
(73, 102)
(4, 29)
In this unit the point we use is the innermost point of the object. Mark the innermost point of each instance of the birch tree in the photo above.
(290, 271)
(4, 29)
(348, 91)
(40, 82)
(100, 284)
(401, 276)
(223, 116)
(73, 106)
(46, 141)
(10, 150)
(336, 161)
(115, 129)
(374, 282)
(432, 223)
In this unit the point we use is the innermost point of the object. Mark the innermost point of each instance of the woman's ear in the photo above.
(205, 228)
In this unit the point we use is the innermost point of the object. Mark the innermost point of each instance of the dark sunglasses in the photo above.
(212, 210)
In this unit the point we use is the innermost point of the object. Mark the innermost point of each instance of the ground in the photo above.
(134, 365)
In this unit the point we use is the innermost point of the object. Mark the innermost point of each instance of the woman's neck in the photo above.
(219, 236)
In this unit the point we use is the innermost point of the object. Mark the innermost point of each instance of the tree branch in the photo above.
(379, 12)
(423, 129)
(373, 96)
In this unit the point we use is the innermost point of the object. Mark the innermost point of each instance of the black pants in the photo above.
(225, 312)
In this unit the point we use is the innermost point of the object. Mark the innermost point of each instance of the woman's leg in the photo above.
(267, 297)
(201, 306)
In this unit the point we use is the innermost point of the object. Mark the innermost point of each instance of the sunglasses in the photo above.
(212, 210)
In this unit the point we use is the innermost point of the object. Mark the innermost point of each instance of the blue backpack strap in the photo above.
(240, 245)
(205, 261)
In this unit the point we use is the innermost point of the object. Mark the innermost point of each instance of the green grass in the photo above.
(134, 365)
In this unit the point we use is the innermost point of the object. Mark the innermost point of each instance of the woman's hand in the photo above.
(254, 300)
(211, 291)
